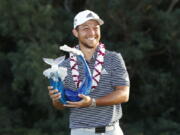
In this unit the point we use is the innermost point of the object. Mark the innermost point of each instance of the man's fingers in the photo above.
(51, 92)
(81, 95)
(72, 104)
(68, 105)
(50, 87)
(55, 96)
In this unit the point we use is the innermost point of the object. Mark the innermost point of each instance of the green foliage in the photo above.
(147, 34)
(151, 126)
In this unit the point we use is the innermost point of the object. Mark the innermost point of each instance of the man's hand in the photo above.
(85, 102)
(54, 94)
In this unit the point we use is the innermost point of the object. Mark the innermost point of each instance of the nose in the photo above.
(92, 32)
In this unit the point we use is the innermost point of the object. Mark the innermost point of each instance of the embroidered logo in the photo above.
(104, 71)
(75, 21)
(90, 15)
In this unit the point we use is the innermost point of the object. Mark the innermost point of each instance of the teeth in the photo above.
(91, 38)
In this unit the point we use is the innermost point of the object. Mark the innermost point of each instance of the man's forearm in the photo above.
(120, 95)
(58, 105)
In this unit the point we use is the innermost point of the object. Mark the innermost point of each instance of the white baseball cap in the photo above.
(86, 15)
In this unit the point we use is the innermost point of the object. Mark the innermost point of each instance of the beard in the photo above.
(89, 46)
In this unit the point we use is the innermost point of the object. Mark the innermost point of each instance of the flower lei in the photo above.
(97, 67)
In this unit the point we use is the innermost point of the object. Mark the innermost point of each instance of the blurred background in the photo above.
(145, 32)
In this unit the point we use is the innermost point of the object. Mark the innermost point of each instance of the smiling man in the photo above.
(100, 111)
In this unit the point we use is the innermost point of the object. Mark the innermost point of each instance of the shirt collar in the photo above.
(93, 58)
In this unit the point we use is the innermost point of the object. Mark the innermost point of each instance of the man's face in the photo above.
(88, 34)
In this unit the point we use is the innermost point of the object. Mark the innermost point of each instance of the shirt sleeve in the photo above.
(119, 74)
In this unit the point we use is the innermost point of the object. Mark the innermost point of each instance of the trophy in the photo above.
(57, 73)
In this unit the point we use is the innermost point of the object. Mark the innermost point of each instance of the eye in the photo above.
(85, 28)
(96, 28)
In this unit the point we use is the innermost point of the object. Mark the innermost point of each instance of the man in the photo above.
(100, 111)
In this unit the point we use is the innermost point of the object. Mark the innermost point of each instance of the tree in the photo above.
(146, 32)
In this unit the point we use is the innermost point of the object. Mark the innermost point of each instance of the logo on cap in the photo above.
(75, 21)
(90, 15)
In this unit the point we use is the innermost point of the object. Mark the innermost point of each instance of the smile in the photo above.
(91, 38)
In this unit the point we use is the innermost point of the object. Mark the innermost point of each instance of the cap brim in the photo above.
(101, 22)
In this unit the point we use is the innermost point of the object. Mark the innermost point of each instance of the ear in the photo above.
(75, 33)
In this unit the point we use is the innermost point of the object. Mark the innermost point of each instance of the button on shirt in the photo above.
(113, 74)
